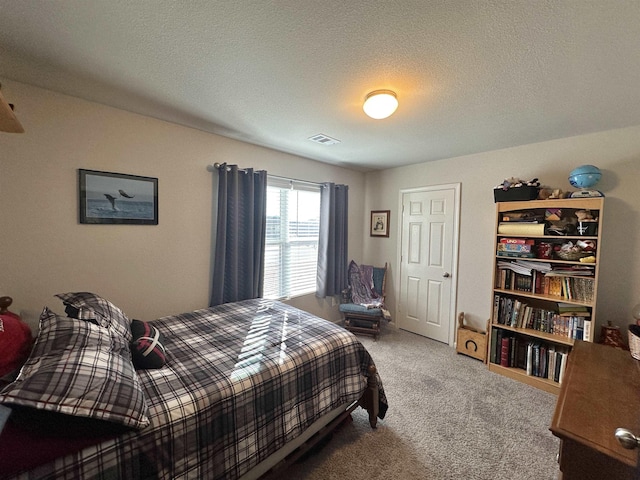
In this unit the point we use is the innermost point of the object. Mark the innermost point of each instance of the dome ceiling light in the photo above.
(380, 104)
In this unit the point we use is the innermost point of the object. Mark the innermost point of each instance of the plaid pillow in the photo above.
(91, 307)
(147, 346)
(80, 369)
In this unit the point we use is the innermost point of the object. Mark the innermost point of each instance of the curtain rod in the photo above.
(216, 166)
(295, 180)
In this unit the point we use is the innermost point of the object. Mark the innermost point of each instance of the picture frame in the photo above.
(117, 198)
(380, 223)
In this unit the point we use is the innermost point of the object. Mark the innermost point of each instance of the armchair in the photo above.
(363, 306)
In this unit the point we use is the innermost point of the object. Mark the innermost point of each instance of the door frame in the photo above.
(456, 187)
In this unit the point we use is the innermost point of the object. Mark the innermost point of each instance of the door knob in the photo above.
(627, 439)
(446, 275)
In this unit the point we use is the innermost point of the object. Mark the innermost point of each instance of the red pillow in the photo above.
(15, 342)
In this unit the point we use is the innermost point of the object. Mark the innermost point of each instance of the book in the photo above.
(526, 319)
(513, 346)
(536, 360)
(542, 372)
(551, 367)
(587, 330)
(494, 338)
(513, 321)
(497, 346)
(521, 354)
(578, 328)
(571, 308)
(558, 364)
(563, 366)
(504, 352)
(503, 307)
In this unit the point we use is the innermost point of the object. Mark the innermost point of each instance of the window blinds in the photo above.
(291, 253)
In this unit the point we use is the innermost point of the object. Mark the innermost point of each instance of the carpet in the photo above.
(448, 418)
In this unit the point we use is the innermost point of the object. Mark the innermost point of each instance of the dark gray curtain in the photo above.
(238, 264)
(332, 244)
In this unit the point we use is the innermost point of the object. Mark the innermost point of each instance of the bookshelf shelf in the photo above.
(520, 375)
(540, 296)
(551, 260)
(550, 237)
(549, 337)
(542, 303)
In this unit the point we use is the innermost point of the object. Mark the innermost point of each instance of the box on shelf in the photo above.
(516, 254)
(588, 227)
(515, 194)
(513, 245)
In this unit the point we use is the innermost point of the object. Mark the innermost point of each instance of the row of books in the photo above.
(538, 359)
(578, 288)
(571, 321)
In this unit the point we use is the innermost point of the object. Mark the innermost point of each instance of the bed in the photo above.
(243, 388)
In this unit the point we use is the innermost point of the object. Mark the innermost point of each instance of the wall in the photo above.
(616, 153)
(152, 271)
(149, 271)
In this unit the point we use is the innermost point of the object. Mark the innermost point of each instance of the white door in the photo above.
(427, 259)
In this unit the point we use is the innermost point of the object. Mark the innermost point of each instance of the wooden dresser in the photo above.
(600, 392)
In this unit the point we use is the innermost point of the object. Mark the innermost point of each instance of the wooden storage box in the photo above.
(470, 341)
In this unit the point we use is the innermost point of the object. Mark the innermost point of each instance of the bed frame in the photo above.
(117, 454)
(273, 467)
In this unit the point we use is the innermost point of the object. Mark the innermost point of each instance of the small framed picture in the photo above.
(379, 223)
(116, 198)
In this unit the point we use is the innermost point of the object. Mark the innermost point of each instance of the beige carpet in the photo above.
(448, 418)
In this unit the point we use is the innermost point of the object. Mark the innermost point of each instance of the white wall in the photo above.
(149, 271)
(616, 153)
(152, 271)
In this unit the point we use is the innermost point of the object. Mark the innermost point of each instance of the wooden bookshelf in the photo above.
(528, 313)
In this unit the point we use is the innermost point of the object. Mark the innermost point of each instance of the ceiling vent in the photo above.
(323, 139)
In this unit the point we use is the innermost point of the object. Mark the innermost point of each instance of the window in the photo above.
(293, 224)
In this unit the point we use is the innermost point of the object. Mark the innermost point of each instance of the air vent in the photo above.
(323, 139)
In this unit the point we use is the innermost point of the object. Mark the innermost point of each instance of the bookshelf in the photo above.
(544, 292)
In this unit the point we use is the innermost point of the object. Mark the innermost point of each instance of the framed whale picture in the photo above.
(117, 198)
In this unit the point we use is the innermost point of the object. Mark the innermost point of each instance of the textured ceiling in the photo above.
(471, 76)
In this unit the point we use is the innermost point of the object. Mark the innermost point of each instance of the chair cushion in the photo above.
(360, 309)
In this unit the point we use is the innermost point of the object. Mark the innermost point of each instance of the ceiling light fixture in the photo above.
(380, 104)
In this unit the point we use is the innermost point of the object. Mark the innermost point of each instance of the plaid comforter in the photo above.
(241, 381)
